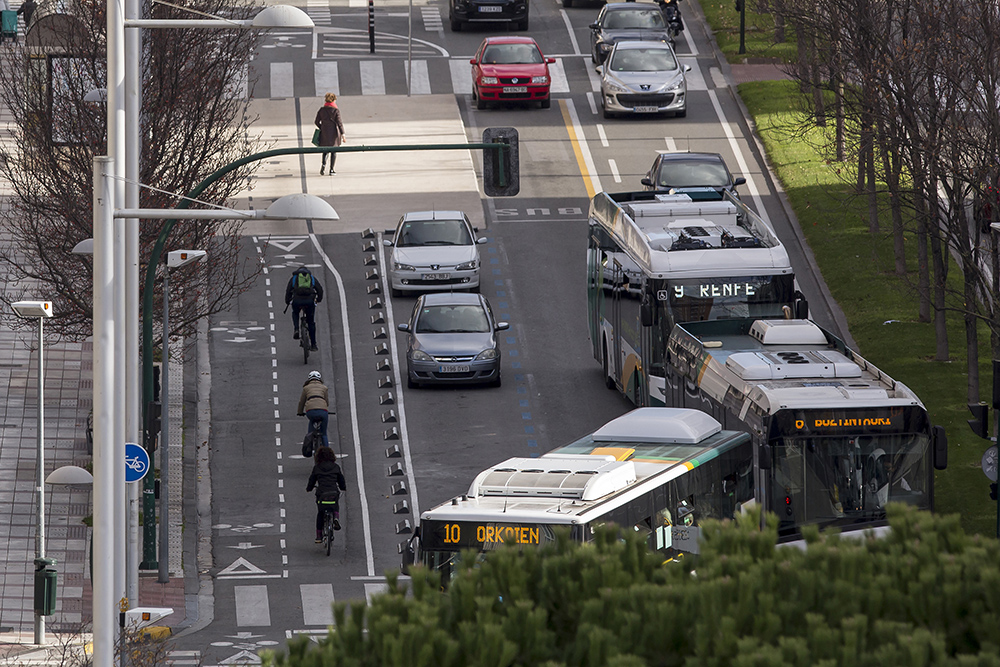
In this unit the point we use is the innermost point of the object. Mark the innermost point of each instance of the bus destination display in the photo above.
(839, 421)
(481, 535)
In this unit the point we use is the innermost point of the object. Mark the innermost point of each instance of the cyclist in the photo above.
(328, 480)
(303, 292)
(314, 403)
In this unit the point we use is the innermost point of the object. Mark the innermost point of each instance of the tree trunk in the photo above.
(891, 165)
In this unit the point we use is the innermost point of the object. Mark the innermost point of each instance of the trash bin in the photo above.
(45, 586)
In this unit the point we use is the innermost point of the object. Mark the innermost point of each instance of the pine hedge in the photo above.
(927, 594)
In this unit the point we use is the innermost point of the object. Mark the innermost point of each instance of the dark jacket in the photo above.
(331, 128)
(315, 396)
(26, 9)
(327, 479)
(291, 296)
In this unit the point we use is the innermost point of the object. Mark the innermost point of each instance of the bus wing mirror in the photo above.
(765, 457)
(646, 314)
(940, 448)
(801, 306)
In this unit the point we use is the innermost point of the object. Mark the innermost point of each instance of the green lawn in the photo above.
(881, 309)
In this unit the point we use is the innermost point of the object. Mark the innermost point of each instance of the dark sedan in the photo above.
(620, 21)
(451, 339)
(682, 171)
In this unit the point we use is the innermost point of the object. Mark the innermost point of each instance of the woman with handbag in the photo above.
(330, 129)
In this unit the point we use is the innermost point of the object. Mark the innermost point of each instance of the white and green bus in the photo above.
(656, 259)
(657, 471)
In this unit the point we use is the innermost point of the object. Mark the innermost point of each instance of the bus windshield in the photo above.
(699, 299)
(834, 479)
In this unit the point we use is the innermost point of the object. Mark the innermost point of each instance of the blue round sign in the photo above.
(136, 462)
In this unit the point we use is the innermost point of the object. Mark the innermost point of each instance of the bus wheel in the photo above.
(609, 381)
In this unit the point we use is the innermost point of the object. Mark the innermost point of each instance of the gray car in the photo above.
(451, 339)
(619, 21)
(643, 78)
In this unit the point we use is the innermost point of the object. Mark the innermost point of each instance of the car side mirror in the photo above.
(739, 181)
(473, 61)
(595, 26)
(550, 61)
(647, 181)
(764, 460)
(387, 243)
(403, 327)
(502, 326)
(599, 69)
(482, 239)
(687, 68)
(940, 439)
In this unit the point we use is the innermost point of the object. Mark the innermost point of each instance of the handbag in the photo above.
(315, 139)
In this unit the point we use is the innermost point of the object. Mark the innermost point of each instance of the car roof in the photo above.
(415, 216)
(641, 44)
(615, 6)
(681, 156)
(510, 39)
(450, 298)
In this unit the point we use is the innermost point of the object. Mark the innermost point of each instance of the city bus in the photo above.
(835, 439)
(656, 471)
(655, 259)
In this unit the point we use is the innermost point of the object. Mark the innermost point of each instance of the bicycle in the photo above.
(329, 507)
(304, 339)
(313, 439)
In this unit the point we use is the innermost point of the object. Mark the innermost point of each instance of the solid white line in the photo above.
(602, 135)
(588, 159)
(727, 128)
(614, 170)
(592, 103)
(461, 77)
(372, 77)
(420, 80)
(317, 604)
(282, 80)
(557, 74)
(570, 32)
(251, 606)
(671, 144)
(327, 77)
(404, 435)
(349, 359)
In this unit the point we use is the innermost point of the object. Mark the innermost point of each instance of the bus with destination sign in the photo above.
(657, 471)
(655, 259)
(835, 439)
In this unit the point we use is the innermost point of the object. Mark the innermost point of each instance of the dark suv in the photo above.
(619, 21)
(690, 171)
(461, 12)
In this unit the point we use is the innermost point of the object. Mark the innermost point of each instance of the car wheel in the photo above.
(681, 114)
(396, 293)
(546, 103)
(480, 103)
(498, 381)
(609, 381)
(604, 110)
(593, 57)
(474, 290)
(410, 384)
(567, 3)
(523, 24)
(456, 25)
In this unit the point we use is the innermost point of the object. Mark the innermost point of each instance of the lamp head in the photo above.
(33, 308)
(70, 476)
(282, 16)
(178, 258)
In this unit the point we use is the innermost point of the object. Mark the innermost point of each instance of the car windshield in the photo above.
(512, 54)
(686, 174)
(643, 60)
(452, 319)
(634, 19)
(433, 232)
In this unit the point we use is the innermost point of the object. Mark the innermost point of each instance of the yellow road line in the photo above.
(577, 151)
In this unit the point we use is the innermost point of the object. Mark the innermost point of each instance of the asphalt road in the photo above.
(270, 581)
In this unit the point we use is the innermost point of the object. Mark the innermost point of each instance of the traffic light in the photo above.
(980, 423)
(501, 166)
(993, 491)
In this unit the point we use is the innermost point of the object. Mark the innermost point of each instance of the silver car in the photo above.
(434, 251)
(642, 77)
(452, 340)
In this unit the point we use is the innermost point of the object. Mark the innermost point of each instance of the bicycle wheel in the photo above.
(304, 339)
(328, 532)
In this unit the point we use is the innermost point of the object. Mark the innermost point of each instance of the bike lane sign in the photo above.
(136, 462)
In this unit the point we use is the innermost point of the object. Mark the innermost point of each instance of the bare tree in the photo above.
(194, 120)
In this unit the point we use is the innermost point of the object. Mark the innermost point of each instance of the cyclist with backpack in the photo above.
(328, 480)
(314, 403)
(303, 292)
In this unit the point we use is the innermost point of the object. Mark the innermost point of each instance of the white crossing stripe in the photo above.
(420, 80)
(431, 17)
(317, 604)
(251, 606)
(357, 3)
(374, 589)
(282, 80)
(461, 76)
(695, 79)
(372, 77)
(183, 658)
(327, 77)
(558, 74)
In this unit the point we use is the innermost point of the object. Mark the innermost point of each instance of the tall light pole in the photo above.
(40, 310)
(175, 260)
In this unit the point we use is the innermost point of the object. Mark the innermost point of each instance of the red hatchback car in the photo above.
(510, 69)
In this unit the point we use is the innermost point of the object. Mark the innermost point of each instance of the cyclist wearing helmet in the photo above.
(303, 292)
(314, 403)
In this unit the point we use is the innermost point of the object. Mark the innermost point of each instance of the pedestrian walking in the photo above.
(331, 129)
(26, 9)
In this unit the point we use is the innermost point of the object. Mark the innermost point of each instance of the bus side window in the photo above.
(685, 512)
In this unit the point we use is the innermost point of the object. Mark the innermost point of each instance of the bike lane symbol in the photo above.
(136, 462)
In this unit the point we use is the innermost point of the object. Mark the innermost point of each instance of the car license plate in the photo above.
(490, 8)
(515, 89)
(437, 276)
(646, 109)
(453, 368)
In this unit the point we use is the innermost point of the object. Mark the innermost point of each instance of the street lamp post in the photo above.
(40, 310)
(175, 260)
